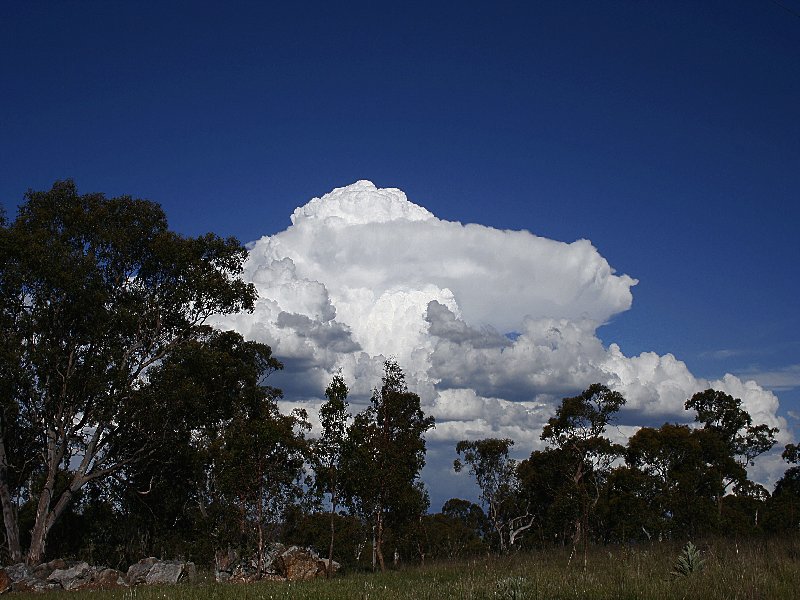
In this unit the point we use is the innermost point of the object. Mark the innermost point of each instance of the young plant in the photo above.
(689, 561)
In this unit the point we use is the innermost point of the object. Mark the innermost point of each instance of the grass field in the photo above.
(750, 569)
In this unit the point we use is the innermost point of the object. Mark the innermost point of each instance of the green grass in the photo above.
(751, 569)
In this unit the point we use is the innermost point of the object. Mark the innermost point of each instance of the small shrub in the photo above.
(689, 561)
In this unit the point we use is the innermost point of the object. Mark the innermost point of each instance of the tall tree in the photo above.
(333, 417)
(496, 475)
(675, 458)
(723, 414)
(734, 442)
(258, 465)
(577, 430)
(224, 422)
(383, 457)
(95, 292)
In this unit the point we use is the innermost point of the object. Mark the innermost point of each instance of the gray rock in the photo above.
(164, 572)
(103, 578)
(19, 571)
(299, 564)
(323, 565)
(32, 584)
(137, 573)
(44, 570)
(71, 578)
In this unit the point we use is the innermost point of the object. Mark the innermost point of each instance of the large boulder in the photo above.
(170, 572)
(44, 570)
(229, 567)
(18, 571)
(137, 572)
(34, 584)
(299, 564)
(151, 571)
(271, 554)
(23, 579)
(103, 578)
(323, 563)
(71, 578)
(279, 564)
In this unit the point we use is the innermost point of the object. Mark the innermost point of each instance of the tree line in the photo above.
(130, 427)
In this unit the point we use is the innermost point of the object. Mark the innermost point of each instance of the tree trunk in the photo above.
(333, 531)
(39, 531)
(9, 510)
(379, 542)
(259, 517)
(46, 519)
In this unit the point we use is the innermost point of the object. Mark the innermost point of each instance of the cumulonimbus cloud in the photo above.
(492, 327)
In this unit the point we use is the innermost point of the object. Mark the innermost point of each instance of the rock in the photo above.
(152, 571)
(33, 584)
(279, 564)
(103, 579)
(71, 578)
(137, 573)
(19, 571)
(224, 564)
(44, 570)
(170, 572)
(272, 552)
(164, 572)
(299, 564)
(5, 581)
(243, 572)
(323, 565)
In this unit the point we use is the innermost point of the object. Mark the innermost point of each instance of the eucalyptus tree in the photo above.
(95, 292)
(228, 453)
(679, 463)
(333, 416)
(577, 434)
(383, 457)
(496, 475)
(723, 414)
(733, 442)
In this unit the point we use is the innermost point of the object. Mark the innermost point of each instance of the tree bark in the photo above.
(379, 541)
(333, 531)
(40, 528)
(9, 510)
(260, 527)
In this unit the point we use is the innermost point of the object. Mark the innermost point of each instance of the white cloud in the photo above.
(363, 274)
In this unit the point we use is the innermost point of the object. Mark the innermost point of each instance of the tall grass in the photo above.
(752, 569)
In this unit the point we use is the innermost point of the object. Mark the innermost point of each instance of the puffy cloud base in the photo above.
(492, 327)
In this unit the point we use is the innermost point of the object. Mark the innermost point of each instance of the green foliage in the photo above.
(95, 293)
(791, 453)
(327, 451)
(383, 457)
(576, 436)
(452, 534)
(496, 476)
(782, 512)
(675, 459)
(689, 561)
(722, 414)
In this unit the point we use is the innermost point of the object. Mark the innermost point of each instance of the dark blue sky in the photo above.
(666, 132)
